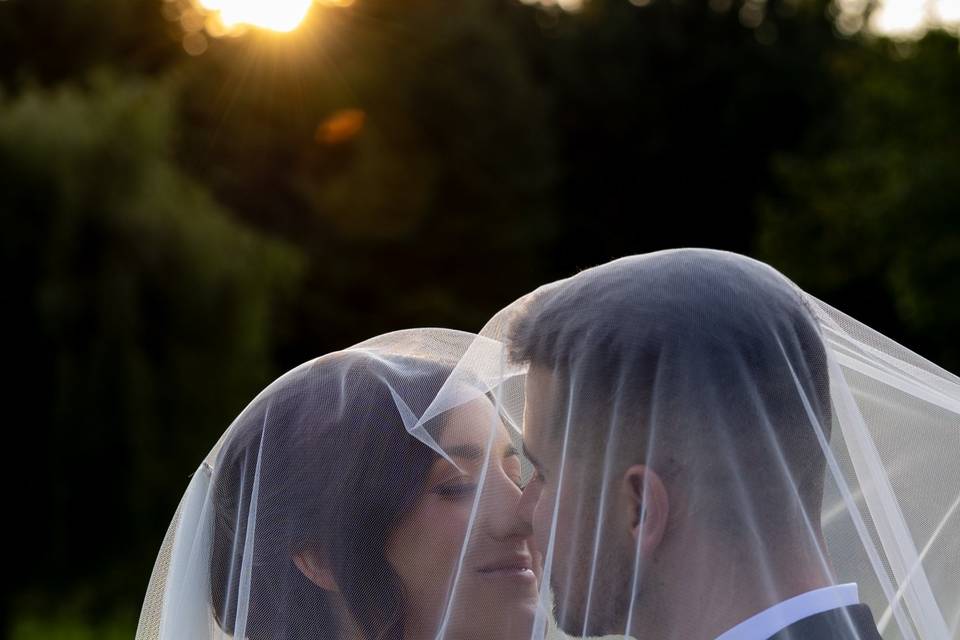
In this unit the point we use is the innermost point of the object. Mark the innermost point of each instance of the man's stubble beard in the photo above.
(610, 603)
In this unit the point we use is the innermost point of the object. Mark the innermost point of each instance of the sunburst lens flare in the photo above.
(274, 15)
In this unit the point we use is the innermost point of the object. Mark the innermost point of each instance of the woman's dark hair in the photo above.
(335, 472)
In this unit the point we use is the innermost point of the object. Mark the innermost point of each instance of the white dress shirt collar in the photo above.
(780, 616)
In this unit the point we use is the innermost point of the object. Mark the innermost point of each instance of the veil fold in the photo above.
(675, 444)
(795, 448)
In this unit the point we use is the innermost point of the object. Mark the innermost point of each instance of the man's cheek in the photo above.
(542, 522)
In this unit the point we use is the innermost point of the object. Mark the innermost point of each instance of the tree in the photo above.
(139, 322)
(668, 115)
(48, 42)
(865, 213)
(446, 173)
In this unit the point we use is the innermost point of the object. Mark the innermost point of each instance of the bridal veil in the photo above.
(701, 439)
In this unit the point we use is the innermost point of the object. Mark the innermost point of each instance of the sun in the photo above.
(274, 15)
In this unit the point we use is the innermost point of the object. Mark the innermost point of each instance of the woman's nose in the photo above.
(527, 504)
(502, 510)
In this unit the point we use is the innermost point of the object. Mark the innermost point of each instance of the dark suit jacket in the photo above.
(843, 623)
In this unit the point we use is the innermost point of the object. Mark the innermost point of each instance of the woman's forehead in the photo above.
(473, 423)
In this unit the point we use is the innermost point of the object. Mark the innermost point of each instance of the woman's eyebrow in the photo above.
(465, 451)
(474, 452)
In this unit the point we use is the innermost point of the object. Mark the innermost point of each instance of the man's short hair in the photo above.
(717, 352)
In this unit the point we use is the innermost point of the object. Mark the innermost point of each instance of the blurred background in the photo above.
(195, 197)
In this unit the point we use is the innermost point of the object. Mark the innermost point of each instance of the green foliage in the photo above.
(62, 40)
(177, 230)
(867, 212)
(140, 322)
(453, 168)
(66, 627)
(667, 115)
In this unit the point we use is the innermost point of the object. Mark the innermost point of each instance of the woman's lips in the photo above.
(520, 567)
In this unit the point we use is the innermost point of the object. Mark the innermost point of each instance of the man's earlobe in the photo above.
(316, 570)
(650, 506)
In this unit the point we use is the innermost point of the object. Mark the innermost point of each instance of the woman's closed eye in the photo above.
(465, 487)
(455, 489)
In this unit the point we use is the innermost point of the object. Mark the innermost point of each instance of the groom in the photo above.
(677, 411)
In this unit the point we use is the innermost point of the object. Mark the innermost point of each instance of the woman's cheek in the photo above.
(449, 521)
(425, 549)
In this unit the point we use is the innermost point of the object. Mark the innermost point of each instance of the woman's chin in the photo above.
(518, 611)
(517, 595)
(514, 622)
(522, 620)
(505, 613)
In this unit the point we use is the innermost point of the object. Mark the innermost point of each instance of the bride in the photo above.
(335, 506)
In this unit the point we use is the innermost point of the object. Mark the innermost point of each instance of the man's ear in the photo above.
(316, 570)
(649, 508)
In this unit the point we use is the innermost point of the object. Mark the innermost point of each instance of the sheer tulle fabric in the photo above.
(342, 503)
(701, 441)
(713, 441)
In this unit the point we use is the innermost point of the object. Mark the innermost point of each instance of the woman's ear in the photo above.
(316, 570)
(649, 506)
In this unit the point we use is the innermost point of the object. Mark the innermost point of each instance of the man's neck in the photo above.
(756, 601)
(714, 606)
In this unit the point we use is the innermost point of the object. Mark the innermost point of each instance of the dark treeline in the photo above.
(179, 229)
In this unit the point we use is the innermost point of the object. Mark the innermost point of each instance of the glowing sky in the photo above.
(894, 17)
(906, 17)
(275, 15)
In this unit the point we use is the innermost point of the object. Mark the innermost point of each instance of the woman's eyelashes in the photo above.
(464, 486)
(455, 489)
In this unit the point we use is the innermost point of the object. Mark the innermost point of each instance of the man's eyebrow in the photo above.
(530, 457)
